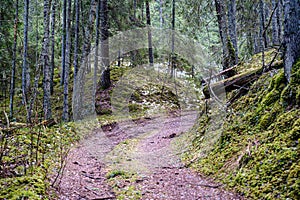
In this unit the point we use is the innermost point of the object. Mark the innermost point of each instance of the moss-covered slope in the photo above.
(258, 152)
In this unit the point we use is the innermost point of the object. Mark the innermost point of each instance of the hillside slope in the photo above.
(258, 151)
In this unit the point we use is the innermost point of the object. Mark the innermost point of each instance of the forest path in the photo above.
(145, 148)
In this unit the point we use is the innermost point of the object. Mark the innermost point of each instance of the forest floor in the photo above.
(136, 160)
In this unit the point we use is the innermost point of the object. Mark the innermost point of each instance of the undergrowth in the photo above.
(32, 158)
(258, 151)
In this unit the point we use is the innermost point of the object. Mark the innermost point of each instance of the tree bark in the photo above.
(291, 35)
(262, 33)
(275, 36)
(150, 49)
(134, 8)
(105, 77)
(65, 116)
(173, 58)
(13, 69)
(232, 26)
(25, 70)
(88, 30)
(53, 13)
(76, 45)
(161, 18)
(280, 20)
(228, 50)
(46, 65)
(63, 47)
(97, 44)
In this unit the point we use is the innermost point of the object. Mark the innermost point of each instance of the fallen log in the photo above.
(238, 81)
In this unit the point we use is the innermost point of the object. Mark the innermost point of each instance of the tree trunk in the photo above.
(97, 45)
(13, 69)
(150, 49)
(88, 31)
(134, 9)
(63, 46)
(65, 116)
(173, 40)
(25, 70)
(291, 35)
(105, 77)
(232, 26)
(280, 20)
(46, 65)
(142, 12)
(228, 50)
(256, 43)
(76, 45)
(267, 18)
(275, 36)
(262, 33)
(53, 13)
(161, 18)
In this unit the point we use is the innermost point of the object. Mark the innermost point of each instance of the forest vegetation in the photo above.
(60, 61)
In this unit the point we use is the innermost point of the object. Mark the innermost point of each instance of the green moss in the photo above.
(291, 93)
(42, 148)
(258, 151)
(115, 173)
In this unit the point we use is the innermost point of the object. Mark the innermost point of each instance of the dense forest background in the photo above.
(254, 46)
(41, 39)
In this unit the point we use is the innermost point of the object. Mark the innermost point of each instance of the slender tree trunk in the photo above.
(275, 38)
(13, 69)
(291, 35)
(173, 39)
(63, 47)
(134, 8)
(38, 67)
(105, 77)
(97, 45)
(46, 64)
(232, 26)
(250, 43)
(25, 83)
(52, 66)
(88, 33)
(65, 116)
(262, 32)
(161, 18)
(256, 44)
(279, 20)
(268, 16)
(76, 45)
(150, 49)
(142, 12)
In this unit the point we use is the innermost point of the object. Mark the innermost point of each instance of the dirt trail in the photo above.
(148, 152)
